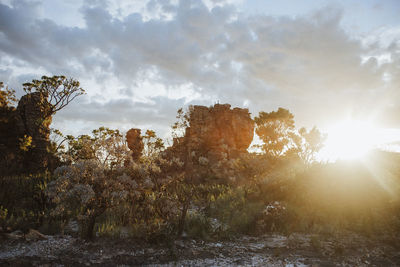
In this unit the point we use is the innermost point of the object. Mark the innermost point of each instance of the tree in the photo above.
(94, 182)
(281, 139)
(152, 144)
(58, 90)
(312, 142)
(153, 202)
(275, 129)
(7, 96)
(179, 127)
(106, 146)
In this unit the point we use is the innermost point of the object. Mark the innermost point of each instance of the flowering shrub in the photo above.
(106, 146)
(85, 190)
(153, 203)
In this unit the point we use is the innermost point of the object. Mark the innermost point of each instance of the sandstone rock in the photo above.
(135, 143)
(31, 119)
(33, 110)
(214, 142)
(219, 131)
(35, 120)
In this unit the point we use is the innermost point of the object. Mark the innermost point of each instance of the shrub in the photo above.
(23, 200)
(198, 226)
(234, 209)
(85, 190)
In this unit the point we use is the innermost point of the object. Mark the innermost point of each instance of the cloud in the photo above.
(207, 52)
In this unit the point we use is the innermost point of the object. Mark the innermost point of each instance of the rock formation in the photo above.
(29, 120)
(219, 129)
(135, 143)
(35, 122)
(217, 132)
(214, 142)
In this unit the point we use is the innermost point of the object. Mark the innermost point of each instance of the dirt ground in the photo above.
(267, 250)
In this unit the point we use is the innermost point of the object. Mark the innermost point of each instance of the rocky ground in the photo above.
(267, 250)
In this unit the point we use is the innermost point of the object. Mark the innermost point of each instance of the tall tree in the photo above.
(275, 129)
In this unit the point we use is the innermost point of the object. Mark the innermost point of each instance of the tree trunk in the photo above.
(181, 224)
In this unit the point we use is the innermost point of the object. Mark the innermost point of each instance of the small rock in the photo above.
(179, 244)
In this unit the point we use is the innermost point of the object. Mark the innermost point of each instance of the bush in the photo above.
(85, 190)
(234, 209)
(198, 226)
(23, 201)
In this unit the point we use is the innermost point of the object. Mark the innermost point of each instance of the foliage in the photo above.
(281, 139)
(311, 142)
(179, 127)
(23, 200)
(25, 143)
(163, 193)
(106, 146)
(7, 96)
(198, 226)
(234, 209)
(275, 129)
(58, 90)
(85, 190)
(153, 145)
(155, 203)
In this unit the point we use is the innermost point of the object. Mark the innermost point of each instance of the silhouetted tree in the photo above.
(312, 142)
(58, 90)
(275, 130)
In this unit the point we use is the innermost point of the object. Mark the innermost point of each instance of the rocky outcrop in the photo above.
(35, 122)
(135, 143)
(33, 110)
(214, 143)
(219, 129)
(216, 132)
(30, 120)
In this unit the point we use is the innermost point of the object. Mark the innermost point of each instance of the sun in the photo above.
(350, 139)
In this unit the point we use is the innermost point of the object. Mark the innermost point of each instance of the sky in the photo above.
(140, 61)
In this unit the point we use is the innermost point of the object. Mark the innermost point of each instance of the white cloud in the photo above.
(140, 62)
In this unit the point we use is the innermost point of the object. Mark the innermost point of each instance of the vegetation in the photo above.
(7, 96)
(161, 195)
(58, 90)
